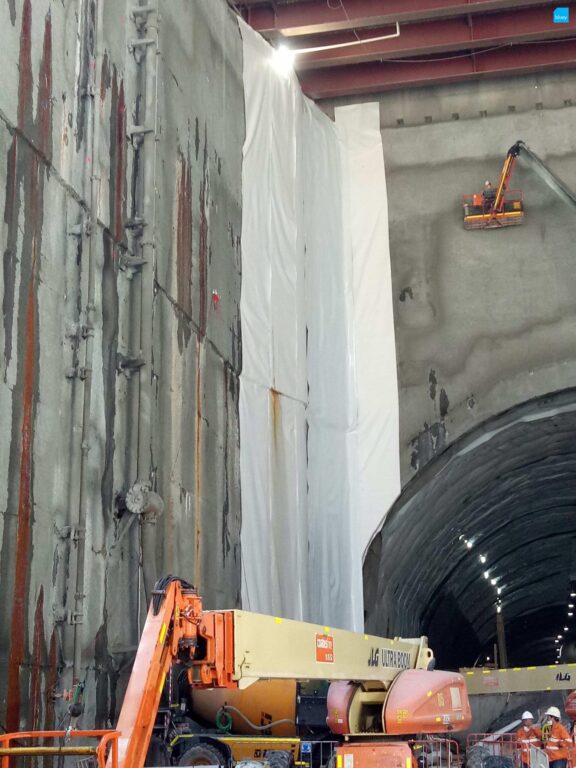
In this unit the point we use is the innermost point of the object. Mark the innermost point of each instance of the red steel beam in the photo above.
(433, 37)
(319, 16)
(375, 77)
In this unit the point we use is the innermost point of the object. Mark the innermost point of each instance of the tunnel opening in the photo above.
(486, 528)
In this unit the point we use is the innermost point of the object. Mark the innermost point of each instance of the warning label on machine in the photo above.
(325, 648)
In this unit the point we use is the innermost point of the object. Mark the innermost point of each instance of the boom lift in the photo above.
(504, 207)
(394, 693)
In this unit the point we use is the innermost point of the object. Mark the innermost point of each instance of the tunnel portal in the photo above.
(489, 526)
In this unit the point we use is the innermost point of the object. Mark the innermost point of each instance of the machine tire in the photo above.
(157, 755)
(277, 758)
(202, 754)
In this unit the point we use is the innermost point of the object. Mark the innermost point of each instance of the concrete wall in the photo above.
(119, 337)
(484, 319)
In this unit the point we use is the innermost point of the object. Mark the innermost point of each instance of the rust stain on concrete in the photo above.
(23, 537)
(198, 469)
(26, 171)
(203, 243)
(37, 663)
(44, 106)
(184, 251)
(104, 76)
(117, 159)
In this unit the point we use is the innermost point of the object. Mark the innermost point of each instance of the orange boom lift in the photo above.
(382, 688)
(504, 207)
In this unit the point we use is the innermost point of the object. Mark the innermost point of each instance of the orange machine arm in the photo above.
(507, 169)
(176, 630)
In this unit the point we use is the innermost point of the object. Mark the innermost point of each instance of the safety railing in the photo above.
(492, 750)
(436, 753)
(538, 758)
(315, 754)
(107, 746)
(478, 200)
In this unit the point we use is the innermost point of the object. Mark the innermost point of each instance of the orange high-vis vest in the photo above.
(557, 743)
(526, 738)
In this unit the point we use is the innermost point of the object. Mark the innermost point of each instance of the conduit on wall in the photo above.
(318, 418)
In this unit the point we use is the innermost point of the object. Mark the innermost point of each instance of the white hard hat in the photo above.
(527, 716)
(554, 711)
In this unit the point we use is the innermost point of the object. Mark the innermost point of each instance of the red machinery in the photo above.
(395, 692)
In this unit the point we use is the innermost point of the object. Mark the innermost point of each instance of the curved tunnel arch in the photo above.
(509, 488)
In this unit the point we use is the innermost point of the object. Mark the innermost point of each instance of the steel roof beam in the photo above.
(318, 16)
(433, 37)
(375, 77)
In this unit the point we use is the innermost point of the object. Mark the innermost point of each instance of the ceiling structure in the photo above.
(488, 526)
(439, 41)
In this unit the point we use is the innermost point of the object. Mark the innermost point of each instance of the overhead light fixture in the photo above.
(486, 574)
(469, 544)
(559, 637)
(498, 609)
(556, 641)
(572, 594)
(284, 57)
(570, 605)
(570, 614)
(482, 559)
(566, 629)
(499, 591)
(493, 582)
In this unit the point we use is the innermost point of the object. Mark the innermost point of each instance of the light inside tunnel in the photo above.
(510, 480)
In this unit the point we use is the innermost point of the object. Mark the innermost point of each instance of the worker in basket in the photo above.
(555, 738)
(527, 736)
(488, 193)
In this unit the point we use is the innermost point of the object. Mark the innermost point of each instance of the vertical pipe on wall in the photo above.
(148, 212)
(92, 124)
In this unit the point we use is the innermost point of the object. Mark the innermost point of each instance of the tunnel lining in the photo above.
(508, 480)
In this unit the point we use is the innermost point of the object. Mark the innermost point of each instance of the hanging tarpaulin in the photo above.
(273, 383)
(305, 519)
(374, 341)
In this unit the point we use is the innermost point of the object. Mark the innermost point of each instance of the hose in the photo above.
(160, 590)
(227, 708)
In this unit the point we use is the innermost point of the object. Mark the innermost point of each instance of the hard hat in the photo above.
(527, 716)
(554, 711)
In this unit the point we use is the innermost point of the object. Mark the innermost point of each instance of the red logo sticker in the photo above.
(325, 648)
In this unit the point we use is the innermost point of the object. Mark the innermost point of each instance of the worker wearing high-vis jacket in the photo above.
(556, 739)
(528, 735)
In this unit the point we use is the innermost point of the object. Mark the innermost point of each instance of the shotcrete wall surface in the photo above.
(121, 139)
(484, 319)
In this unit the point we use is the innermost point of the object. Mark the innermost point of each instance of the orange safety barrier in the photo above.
(107, 746)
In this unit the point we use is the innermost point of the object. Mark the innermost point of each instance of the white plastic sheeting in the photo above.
(273, 388)
(305, 434)
(375, 346)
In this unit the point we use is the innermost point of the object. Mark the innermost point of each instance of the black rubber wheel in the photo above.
(157, 755)
(202, 754)
(279, 759)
